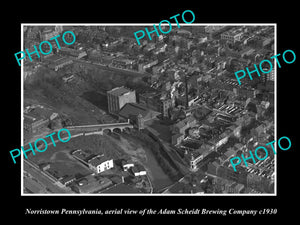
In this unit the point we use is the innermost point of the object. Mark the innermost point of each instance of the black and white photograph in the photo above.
(150, 111)
(157, 115)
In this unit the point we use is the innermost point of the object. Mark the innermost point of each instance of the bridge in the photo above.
(100, 128)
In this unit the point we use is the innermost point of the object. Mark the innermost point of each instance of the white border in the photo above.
(150, 24)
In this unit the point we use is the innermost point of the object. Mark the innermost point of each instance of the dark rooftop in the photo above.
(97, 160)
(136, 109)
(122, 188)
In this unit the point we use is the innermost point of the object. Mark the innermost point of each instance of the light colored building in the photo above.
(59, 29)
(60, 63)
(118, 97)
(211, 29)
(195, 156)
(68, 78)
(143, 66)
(232, 36)
(123, 61)
(270, 76)
(127, 165)
(138, 170)
(100, 164)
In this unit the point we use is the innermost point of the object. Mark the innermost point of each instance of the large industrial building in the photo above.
(118, 97)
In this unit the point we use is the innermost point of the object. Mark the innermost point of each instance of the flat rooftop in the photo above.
(118, 91)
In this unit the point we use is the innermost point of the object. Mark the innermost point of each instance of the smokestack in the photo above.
(186, 93)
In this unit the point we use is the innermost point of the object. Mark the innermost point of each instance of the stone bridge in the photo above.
(100, 128)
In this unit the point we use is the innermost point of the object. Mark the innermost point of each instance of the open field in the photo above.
(68, 167)
(64, 164)
(98, 99)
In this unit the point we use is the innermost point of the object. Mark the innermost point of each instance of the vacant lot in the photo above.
(69, 167)
(98, 99)
(62, 161)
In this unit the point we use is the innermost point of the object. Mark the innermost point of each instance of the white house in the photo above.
(127, 164)
(100, 164)
(138, 170)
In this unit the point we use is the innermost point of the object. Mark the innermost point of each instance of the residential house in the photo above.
(138, 170)
(126, 165)
(100, 164)
(97, 163)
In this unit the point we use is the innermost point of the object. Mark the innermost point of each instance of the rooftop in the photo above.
(99, 159)
(233, 32)
(138, 168)
(130, 109)
(185, 121)
(89, 184)
(118, 91)
(155, 94)
(81, 154)
(121, 188)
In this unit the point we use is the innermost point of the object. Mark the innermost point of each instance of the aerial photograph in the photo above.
(160, 115)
